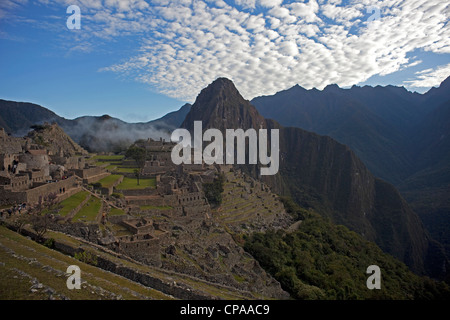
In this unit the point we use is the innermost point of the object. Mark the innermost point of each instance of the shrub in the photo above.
(86, 257)
(50, 243)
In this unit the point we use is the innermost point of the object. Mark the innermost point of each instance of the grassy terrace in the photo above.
(116, 212)
(23, 259)
(72, 202)
(111, 162)
(18, 288)
(109, 181)
(108, 158)
(125, 169)
(89, 211)
(131, 183)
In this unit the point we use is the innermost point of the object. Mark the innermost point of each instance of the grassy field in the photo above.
(108, 158)
(72, 202)
(111, 162)
(31, 271)
(26, 263)
(89, 211)
(125, 170)
(109, 181)
(116, 212)
(131, 183)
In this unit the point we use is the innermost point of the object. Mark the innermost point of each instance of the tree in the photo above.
(20, 221)
(213, 190)
(40, 224)
(40, 220)
(136, 174)
(139, 155)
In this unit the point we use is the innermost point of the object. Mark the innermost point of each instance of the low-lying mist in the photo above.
(106, 134)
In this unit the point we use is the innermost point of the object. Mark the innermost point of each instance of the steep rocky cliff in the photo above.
(320, 173)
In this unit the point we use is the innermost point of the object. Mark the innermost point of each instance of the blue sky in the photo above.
(138, 60)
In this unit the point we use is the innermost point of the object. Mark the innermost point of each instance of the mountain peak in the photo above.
(331, 87)
(445, 83)
(222, 81)
(105, 117)
(220, 86)
(221, 106)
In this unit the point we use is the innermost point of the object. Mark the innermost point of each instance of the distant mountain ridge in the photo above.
(96, 134)
(321, 173)
(17, 117)
(401, 136)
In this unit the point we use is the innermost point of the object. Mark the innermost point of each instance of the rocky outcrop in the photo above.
(55, 140)
(221, 106)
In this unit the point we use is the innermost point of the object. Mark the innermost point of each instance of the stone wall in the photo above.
(7, 161)
(69, 193)
(191, 199)
(140, 192)
(88, 172)
(109, 191)
(156, 200)
(20, 182)
(98, 177)
(139, 226)
(157, 169)
(69, 163)
(118, 219)
(144, 250)
(159, 212)
(10, 144)
(37, 175)
(197, 211)
(60, 187)
(75, 210)
(9, 197)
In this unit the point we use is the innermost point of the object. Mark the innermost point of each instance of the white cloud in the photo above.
(269, 3)
(429, 77)
(307, 11)
(248, 4)
(272, 51)
(264, 46)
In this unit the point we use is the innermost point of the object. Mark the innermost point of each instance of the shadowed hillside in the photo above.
(320, 173)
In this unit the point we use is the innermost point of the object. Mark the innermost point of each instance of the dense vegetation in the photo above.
(401, 136)
(213, 190)
(322, 260)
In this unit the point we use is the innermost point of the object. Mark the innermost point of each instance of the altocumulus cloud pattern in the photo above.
(265, 46)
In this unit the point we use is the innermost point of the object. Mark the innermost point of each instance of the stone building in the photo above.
(36, 159)
(90, 174)
(19, 189)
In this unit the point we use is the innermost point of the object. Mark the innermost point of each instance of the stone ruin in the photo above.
(167, 226)
(45, 162)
